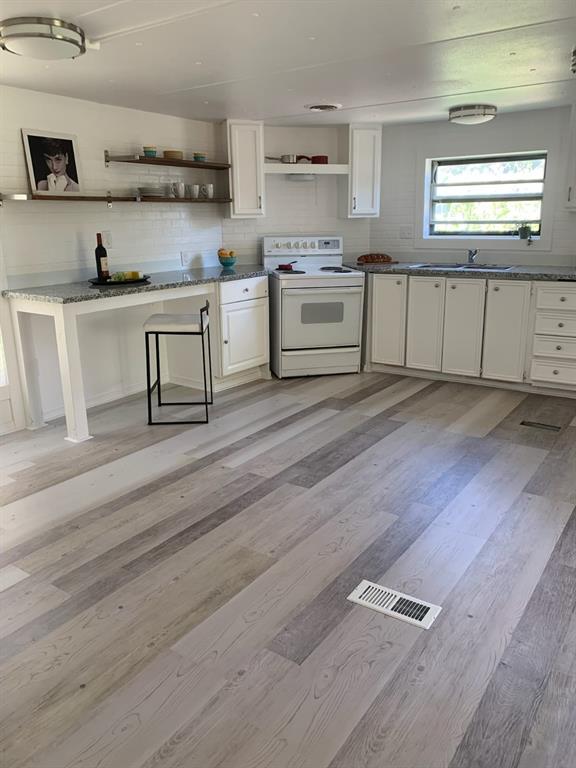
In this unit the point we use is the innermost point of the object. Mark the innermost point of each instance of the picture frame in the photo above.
(53, 163)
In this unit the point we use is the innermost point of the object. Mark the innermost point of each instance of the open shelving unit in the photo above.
(342, 169)
(164, 161)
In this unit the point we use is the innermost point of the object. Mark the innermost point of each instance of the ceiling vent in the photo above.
(472, 114)
(323, 107)
(37, 37)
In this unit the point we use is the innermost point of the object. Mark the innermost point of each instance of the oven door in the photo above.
(315, 318)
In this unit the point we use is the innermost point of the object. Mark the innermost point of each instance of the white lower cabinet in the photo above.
(425, 325)
(245, 335)
(506, 328)
(389, 293)
(463, 326)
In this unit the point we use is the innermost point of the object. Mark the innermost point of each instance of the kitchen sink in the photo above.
(463, 267)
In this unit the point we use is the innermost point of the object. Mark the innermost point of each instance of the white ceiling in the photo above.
(384, 60)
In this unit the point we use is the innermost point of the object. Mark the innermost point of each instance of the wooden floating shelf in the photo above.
(308, 168)
(112, 199)
(165, 161)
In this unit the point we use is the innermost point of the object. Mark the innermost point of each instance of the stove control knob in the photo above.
(304, 244)
(288, 245)
(312, 244)
(296, 245)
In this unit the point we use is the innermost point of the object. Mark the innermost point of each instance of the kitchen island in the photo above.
(66, 302)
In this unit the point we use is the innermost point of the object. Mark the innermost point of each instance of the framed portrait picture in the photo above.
(53, 163)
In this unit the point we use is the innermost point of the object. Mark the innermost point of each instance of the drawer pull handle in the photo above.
(562, 298)
(559, 347)
(496, 288)
(556, 372)
(560, 325)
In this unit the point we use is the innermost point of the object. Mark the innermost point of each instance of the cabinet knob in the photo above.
(560, 325)
(398, 282)
(225, 341)
(245, 290)
(453, 287)
(436, 285)
(559, 347)
(496, 288)
(556, 372)
(562, 298)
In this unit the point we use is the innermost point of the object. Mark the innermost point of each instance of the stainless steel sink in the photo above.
(463, 267)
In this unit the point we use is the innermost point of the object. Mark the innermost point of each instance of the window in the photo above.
(486, 196)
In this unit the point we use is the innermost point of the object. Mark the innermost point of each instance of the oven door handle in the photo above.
(311, 291)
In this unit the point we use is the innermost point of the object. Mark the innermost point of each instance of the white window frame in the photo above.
(424, 241)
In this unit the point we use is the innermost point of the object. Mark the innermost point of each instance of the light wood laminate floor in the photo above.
(175, 597)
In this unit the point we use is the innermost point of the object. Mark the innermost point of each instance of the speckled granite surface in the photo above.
(68, 293)
(514, 273)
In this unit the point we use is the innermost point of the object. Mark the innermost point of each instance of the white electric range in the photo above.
(315, 309)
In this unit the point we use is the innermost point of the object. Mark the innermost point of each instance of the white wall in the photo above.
(405, 149)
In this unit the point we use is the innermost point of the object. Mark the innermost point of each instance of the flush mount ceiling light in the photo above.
(323, 107)
(42, 38)
(472, 114)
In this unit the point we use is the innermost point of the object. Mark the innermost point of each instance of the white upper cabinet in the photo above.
(505, 330)
(425, 322)
(246, 154)
(365, 147)
(570, 199)
(463, 326)
(388, 324)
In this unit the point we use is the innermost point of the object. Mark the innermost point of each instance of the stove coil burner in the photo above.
(334, 269)
(291, 271)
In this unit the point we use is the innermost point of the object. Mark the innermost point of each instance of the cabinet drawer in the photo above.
(239, 290)
(547, 346)
(556, 324)
(555, 372)
(556, 296)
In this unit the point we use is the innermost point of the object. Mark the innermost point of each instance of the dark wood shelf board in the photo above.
(141, 160)
(185, 200)
(132, 199)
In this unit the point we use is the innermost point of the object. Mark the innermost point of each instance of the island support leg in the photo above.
(66, 325)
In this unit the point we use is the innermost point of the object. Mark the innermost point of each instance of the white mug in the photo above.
(180, 189)
(207, 191)
(195, 189)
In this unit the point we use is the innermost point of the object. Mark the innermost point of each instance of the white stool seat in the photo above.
(163, 323)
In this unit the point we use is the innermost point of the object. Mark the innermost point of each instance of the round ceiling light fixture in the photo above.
(323, 107)
(472, 114)
(38, 37)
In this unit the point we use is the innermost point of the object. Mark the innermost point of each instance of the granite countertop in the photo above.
(515, 273)
(68, 293)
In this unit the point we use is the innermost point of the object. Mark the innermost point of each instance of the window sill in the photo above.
(436, 242)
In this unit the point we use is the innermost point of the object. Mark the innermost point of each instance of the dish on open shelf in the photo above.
(96, 282)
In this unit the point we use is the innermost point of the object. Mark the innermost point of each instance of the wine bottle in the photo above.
(101, 259)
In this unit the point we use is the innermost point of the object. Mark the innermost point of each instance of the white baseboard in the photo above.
(117, 393)
(234, 380)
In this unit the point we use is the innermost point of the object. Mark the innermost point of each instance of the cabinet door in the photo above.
(570, 199)
(365, 164)
(425, 322)
(245, 337)
(505, 330)
(246, 154)
(463, 326)
(389, 318)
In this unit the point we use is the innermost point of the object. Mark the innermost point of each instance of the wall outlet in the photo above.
(406, 233)
(107, 239)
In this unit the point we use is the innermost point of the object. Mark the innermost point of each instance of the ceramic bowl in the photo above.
(227, 261)
(149, 151)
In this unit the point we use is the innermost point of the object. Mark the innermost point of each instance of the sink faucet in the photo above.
(472, 255)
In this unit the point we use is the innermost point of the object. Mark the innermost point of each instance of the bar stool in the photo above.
(177, 325)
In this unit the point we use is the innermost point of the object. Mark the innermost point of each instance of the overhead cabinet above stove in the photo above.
(357, 169)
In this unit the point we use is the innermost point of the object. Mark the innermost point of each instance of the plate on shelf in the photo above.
(97, 283)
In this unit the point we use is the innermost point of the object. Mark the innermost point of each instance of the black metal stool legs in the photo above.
(206, 370)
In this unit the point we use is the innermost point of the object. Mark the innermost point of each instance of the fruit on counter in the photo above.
(225, 252)
(118, 277)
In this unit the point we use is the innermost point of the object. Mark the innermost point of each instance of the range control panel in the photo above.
(302, 245)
